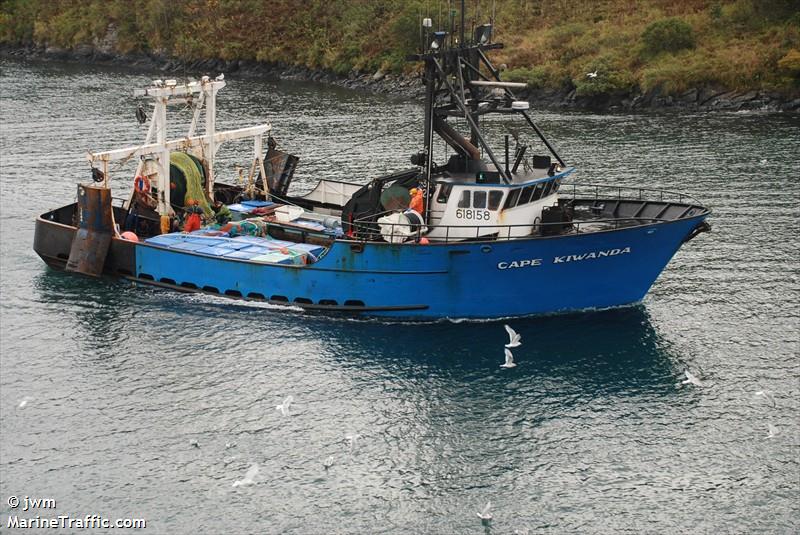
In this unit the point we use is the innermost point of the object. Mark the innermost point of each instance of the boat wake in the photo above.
(228, 302)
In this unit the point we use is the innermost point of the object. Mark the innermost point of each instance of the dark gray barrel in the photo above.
(95, 229)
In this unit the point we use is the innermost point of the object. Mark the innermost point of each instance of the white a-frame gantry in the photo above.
(204, 146)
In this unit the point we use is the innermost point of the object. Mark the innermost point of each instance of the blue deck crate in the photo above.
(215, 251)
(247, 253)
(257, 204)
(315, 250)
(188, 246)
(274, 257)
(206, 240)
(240, 208)
(165, 240)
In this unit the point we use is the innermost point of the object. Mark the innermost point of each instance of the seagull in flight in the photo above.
(766, 395)
(327, 463)
(691, 378)
(592, 74)
(772, 430)
(194, 443)
(509, 360)
(514, 339)
(486, 514)
(24, 401)
(249, 477)
(284, 407)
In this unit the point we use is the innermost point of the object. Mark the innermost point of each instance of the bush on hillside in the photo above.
(668, 35)
(536, 77)
(791, 62)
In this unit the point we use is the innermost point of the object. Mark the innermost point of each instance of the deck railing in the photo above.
(567, 192)
(500, 232)
(622, 193)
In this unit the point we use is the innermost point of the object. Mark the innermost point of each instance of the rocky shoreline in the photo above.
(703, 99)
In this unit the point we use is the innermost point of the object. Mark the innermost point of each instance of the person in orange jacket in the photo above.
(193, 219)
(417, 200)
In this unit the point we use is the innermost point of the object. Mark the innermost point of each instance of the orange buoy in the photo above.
(130, 236)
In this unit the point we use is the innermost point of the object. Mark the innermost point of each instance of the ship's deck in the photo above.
(585, 209)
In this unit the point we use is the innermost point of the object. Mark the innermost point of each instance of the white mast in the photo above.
(211, 127)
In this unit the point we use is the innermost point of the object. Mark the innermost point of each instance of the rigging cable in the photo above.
(361, 143)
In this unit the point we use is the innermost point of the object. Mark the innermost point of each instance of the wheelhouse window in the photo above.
(444, 193)
(511, 200)
(494, 199)
(538, 193)
(464, 201)
(525, 197)
(479, 199)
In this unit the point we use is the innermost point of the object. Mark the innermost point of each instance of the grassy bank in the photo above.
(634, 46)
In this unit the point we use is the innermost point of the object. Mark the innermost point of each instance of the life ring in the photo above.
(141, 184)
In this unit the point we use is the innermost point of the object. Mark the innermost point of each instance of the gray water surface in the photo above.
(589, 434)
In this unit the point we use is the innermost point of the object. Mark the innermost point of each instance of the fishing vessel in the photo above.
(474, 228)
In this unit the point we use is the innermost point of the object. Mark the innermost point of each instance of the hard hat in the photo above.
(413, 191)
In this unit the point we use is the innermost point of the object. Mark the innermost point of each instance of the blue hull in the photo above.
(490, 279)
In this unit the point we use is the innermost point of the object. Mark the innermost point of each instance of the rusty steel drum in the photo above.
(95, 230)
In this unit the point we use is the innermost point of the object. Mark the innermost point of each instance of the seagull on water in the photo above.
(24, 401)
(509, 360)
(766, 395)
(327, 463)
(249, 477)
(194, 443)
(592, 74)
(772, 430)
(690, 378)
(284, 407)
(486, 514)
(352, 439)
(514, 339)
